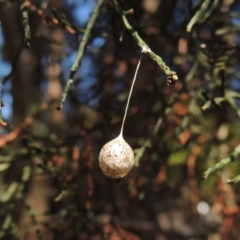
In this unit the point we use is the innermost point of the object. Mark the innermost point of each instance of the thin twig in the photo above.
(203, 13)
(27, 35)
(51, 20)
(15, 133)
(81, 49)
(222, 163)
(142, 44)
(198, 15)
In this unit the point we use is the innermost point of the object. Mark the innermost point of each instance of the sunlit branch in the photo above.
(234, 180)
(52, 20)
(142, 44)
(222, 163)
(81, 49)
(25, 23)
(203, 13)
(199, 14)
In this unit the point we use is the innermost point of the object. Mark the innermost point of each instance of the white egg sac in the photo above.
(116, 158)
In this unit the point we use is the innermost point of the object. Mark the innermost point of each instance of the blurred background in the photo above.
(51, 186)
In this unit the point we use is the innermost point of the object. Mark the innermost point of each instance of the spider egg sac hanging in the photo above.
(116, 158)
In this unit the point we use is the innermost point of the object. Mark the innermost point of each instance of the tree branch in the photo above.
(27, 35)
(142, 44)
(81, 49)
(222, 163)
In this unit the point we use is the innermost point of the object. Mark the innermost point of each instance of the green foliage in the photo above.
(178, 158)
(182, 122)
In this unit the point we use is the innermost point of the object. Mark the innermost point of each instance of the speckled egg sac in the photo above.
(116, 158)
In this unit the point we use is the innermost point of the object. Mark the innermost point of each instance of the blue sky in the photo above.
(5, 69)
(80, 13)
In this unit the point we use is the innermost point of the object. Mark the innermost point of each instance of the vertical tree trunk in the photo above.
(27, 72)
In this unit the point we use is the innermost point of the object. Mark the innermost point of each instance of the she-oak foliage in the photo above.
(182, 120)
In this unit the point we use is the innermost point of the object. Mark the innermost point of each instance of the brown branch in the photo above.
(48, 19)
(25, 124)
